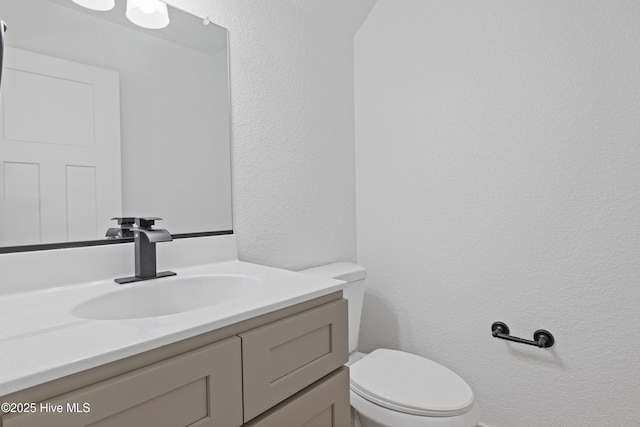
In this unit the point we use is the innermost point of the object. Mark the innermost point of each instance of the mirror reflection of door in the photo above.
(60, 141)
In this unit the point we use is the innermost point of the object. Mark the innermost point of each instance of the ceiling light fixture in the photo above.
(101, 5)
(151, 14)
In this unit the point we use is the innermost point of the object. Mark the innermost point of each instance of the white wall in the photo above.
(498, 178)
(292, 132)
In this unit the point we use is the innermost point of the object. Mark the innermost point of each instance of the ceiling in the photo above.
(346, 15)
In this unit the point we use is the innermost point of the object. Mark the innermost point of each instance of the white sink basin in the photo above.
(161, 297)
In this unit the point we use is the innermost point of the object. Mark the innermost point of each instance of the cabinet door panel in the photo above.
(283, 357)
(324, 404)
(200, 388)
(180, 407)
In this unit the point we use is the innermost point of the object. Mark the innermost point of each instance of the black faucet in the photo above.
(145, 239)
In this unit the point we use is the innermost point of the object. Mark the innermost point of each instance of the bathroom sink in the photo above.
(162, 297)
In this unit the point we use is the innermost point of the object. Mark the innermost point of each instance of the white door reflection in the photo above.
(60, 149)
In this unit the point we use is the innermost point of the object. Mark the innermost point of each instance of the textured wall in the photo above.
(292, 132)
(498, 178)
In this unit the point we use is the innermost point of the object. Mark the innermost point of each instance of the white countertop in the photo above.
(40, 340)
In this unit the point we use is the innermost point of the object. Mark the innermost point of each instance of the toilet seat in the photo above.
(411, 384)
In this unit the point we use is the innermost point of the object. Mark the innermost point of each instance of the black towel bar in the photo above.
(541, 338)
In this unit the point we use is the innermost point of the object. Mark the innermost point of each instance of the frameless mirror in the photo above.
(101, 118)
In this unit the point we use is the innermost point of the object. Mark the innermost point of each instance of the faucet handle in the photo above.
(131, 221)
(124, 230)
(126, 221)
(146, 222)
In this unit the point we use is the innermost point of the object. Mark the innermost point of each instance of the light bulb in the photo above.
(101, 5)
(152, 14)
(148, 6)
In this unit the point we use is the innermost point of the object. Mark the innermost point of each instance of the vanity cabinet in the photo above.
(282, 369)
(283, 357)
(324, 404)
(175, 392)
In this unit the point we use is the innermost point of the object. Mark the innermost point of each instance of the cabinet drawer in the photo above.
(200, 388)
(324, 404)
(283, 357)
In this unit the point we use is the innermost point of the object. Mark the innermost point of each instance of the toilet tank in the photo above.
(354, 275)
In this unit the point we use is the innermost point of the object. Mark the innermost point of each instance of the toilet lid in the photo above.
(411, 384)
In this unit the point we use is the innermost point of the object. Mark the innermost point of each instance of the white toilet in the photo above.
(392, 388)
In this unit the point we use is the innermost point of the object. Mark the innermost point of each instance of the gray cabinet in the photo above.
(282, 358)
(324, 404)
(283, 369)
(200, 388)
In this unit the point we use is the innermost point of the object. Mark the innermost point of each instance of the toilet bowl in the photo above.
(395, 388)
(391, 388)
